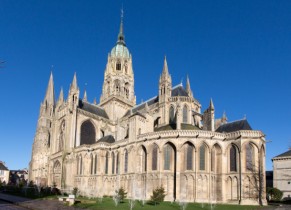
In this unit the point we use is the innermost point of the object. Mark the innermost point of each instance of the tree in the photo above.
(274, 194)
(158, 195)
(122, 194)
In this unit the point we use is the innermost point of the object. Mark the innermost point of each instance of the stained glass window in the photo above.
(125, 161)
(249, 156)
(155, 157)
(167, 156)
(185, 114)
(189, 157)
(232, 158)
(87, 133)
(202, 157)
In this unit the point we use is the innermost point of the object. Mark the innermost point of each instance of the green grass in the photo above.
(108, 204)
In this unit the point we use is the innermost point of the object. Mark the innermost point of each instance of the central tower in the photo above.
(118, 86)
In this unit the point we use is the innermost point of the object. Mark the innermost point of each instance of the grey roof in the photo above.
(234, 126)
(285, 154)
(107, 139)
(184, 126)
(3, 167)
(179, 91)
(93, 109)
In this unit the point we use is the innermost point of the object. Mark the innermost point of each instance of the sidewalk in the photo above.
(36, 204)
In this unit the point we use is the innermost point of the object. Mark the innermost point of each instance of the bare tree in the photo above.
(257, 182)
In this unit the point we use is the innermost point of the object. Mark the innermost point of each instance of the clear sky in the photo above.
(236, 52)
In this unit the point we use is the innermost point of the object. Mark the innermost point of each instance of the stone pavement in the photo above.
(36, 204)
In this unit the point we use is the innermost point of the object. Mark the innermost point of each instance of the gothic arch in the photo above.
(155, 150)
(172, 116)
(142, 155)
(188, 156)
(203, 156)
(185, 114)
(88, 132)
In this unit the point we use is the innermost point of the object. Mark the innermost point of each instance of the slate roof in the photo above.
(92, 109)
(107, 139)
(176, 91)
(234, 126)
(3, 167)
(173, 127)
(179, 91)
(285, 154)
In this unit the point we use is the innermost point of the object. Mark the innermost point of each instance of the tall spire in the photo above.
(211, 106)
(120, 39)
(188, 88)
(50, 92)
(74, 82)
(165, 68)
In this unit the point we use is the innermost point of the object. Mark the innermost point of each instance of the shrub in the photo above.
(121, 194)
(75, 191)
(158, 195)
(274, 194)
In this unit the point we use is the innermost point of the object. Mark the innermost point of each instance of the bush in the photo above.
(158, 195)
(75, 191)
(274, 194)
(121, 194)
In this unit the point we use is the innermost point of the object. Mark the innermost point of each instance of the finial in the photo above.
(165, 68)
(85, 96)
(211, 106)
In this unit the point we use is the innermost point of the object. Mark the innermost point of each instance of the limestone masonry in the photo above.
(165, 141)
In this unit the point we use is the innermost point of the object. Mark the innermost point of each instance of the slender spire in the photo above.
(120, 39)
(211, 106)
(50, 92)
(165, 68)
(188, 88)
(85, 96)
(61, 97)
(74, 82)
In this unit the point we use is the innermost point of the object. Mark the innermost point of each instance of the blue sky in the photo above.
(236, 52)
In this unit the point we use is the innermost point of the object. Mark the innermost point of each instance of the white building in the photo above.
(4, 173)
(282, 173)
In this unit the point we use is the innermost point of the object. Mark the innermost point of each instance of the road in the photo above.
(8, 206)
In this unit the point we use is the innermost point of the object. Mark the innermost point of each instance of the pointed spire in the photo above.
(50, 92)
(188, 88)
(120, 39)
(61, 97)
(211, 106)
(165, 68)
(85, 96)
(224, 118)
(74, 82)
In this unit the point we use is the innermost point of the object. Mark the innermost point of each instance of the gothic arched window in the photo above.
(185, 114)
(171, 115)
(202, 157)
(118, 65)
(189, 156)
(117, 163)
(167, 156)
(232, 158)
(113, 162)
(87, 133)
(249, 156)
(155, 157)
(106, 162)
(143, 159)
(95, 166)
(213, 159)
(125, 161)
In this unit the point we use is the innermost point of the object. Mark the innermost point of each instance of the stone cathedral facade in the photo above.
(165, 141)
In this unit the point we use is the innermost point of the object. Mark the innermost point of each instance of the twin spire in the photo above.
(50, 92)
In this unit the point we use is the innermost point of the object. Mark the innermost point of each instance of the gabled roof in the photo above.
(107, 139)
(92, 109)
(179, 91)
(3, 167)
(285, 154)
(234, 126)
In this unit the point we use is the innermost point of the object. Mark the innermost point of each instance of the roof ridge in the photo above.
(235, 121)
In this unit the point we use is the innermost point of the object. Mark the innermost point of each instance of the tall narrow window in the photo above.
(118, 65)
(189, 157)
(95, 166)
(106, 162)
(185, 114)
(125, 161)
(113, 162)
(117, 163)
(213, 159)
(92, 164)
(172, 115)
(232, 158)
(249, 156)
(167, 156)
(155, 157)
(202, 157)
(81, 165)
(144, 160)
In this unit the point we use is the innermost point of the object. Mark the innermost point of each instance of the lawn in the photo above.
(108, 204)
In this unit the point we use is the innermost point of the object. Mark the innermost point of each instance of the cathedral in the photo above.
(166, 141)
